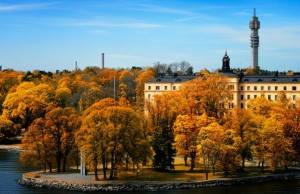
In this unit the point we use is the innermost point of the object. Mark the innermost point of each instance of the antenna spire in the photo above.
(254, 12)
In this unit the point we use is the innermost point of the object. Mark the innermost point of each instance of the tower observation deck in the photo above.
(254, 25)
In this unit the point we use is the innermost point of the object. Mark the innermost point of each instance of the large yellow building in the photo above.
(244, 87)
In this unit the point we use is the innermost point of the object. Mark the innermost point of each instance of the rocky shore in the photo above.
(10, 147)
(89, 186)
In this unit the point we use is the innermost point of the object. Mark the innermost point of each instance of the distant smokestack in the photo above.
(76, 68)
(102, 60)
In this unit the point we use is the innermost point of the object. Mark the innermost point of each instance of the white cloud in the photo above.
(284, 37)
(232, 34)
(22, 7)
(114, 25)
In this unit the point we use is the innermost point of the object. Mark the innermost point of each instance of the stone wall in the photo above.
(77, 186)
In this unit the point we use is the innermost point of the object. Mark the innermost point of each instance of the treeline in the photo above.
(194, 123)
(66, 115)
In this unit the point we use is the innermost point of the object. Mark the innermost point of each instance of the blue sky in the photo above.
(51, 35)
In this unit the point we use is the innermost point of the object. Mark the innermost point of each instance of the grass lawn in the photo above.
(182, 173)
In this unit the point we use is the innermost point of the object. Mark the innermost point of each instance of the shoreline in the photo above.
(34, 179)
(11, 147)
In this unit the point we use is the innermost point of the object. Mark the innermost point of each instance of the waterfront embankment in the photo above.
(10, 147)
(38, 180)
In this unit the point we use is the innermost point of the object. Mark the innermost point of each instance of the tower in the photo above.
(102, 60)
(226, 63)
(254, 25)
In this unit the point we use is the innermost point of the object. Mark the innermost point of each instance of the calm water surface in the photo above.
(10, 171)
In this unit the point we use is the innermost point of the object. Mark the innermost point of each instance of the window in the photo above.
(248, 97)
(269, 87)
(174, 87)
(166, 87)
(294, 87)
(261, 87)
(242, 97)
(255, 87)
(294, 97)
(242, 105)
(248, 87)
(284, 87)
(231, 97)
(149, 96)
(269, 97)
(157, 88)
(231, 87)
(242, 87)
(276, 97)
(231, 105)
(276, 87)
(149, 87)
(255, 96)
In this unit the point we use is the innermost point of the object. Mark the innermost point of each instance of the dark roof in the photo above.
(171, 79)
(244, 78)
(270, 78)
(229, 74)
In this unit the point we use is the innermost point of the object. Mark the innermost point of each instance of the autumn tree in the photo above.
(291, 129)
(228, 156)
(62, 124)
(7, 129)
(162, 113)
(271, 134)
(209, 142)
(38, 146)
(186, 129)
(92, 136)
(8, 81)
(207, 94)
(27, 103)
(240, 120)
(140, 81)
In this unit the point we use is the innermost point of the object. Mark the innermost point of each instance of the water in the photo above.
(10, 171)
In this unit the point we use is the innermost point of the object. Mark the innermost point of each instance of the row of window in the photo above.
(269, 88)
(165, 88)
(242, 105)
(269, 97)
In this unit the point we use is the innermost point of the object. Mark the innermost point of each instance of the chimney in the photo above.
(76, 68)
(102, 60)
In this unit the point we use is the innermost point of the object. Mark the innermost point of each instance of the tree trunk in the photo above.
(50, 167)
(111, 176)
(185, 160)
(64, 164)
(243, 163)
(104, 165)
(193, 158)
(58, 163)
(205, 168)
(262, 166)
(95, 167)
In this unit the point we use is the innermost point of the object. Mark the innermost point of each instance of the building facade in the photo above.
(243, 87)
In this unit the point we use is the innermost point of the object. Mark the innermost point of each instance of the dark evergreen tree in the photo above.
(163, 147)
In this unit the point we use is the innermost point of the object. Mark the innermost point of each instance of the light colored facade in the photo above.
(163, 84)
(243, 88)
